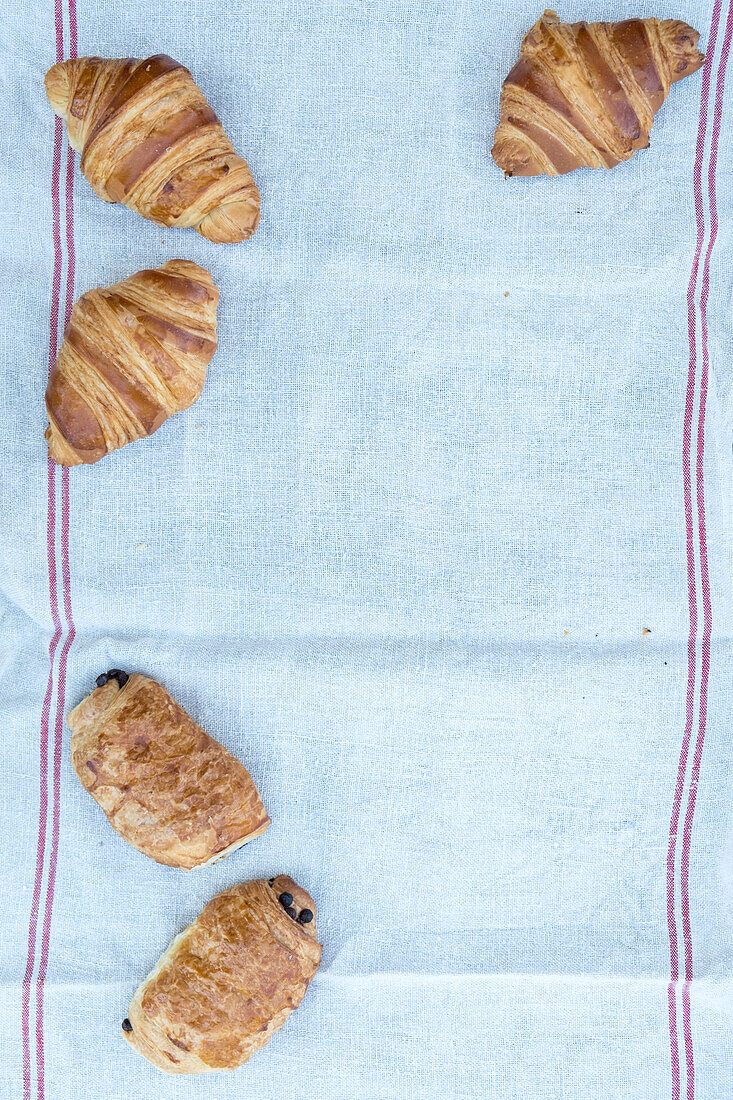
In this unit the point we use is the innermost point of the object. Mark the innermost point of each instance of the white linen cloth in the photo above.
(419, 556)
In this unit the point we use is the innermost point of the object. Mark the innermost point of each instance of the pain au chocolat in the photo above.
(229, 981)
(166, 786)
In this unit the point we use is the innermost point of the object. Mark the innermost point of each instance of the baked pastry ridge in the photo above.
(149, 139)
(228, 982)
(585, 94)
(166, 786)
(133, 354)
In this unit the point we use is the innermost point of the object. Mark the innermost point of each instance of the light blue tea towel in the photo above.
(443, 552)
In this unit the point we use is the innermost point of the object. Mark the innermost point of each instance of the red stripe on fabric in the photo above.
(72, 28)
(690, 552)
(704, 570)
(53, 599)
(687, 483)
(704, 573)
(65, 564)
(58, 22)
(687, 1032)
(71, 267)
(53, 861)
(65, 581)
(58, 745)
(674, 1052)
(40, 856)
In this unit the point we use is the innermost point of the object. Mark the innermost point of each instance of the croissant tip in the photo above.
(55, 451)
(515, 162)
(680, 40)
(56, 83)
(232, 222)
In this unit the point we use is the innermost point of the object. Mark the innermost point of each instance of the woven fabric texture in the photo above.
(443, 553)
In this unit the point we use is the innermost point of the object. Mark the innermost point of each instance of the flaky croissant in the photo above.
(585, 94)
(229, 981)
(133, 354)
(166, 786)
(149, 139)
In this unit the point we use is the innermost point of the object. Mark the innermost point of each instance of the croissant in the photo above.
(149, 139)
(168, 788)
(132, 355)
(227, 983)
(585, 94)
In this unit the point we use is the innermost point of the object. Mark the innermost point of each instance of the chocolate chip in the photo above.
(305, 916)
(126, 1025)
(118, 675)
(291, 912)
(286, 899)
(102, 680)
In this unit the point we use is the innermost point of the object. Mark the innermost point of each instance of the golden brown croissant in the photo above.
(133, 354)
(149, 139)
(168, 788)
(227, 983)
(585, 94)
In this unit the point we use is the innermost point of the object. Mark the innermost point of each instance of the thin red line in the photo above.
(65, 566)
(674, 1051)
(687, 1032)
(65, 574)
(58, 744)
(72, 28)
(704, 571)
(53, 597)
(687, 482)
(71, 267)
(53, 859)
(690, 552)
(58, 19)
